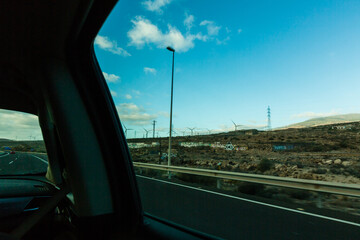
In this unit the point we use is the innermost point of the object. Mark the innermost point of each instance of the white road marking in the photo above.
(5, 155)
(256, 202)
(11, 162)
(39, 159)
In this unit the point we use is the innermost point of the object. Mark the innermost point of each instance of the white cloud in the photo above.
(144, 32)
(113, 93)
(128, 96)
(18, 125)
(239, 30)
(188, 22)
(223, 41)
(136, 92)
(111, 46)
(149, 70)
(155, 5)
(111, 77)
(134, 115)
(212, 28)
(314, 115)
(164, 114)
(128, 107)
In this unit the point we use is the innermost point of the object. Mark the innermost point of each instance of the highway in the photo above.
(22, 163)
(232, 217)
(219, 214)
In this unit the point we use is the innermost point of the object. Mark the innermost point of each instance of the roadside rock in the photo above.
(346, 163)
(329, 161)
(337, 161)
(278, 166)
(293, 168)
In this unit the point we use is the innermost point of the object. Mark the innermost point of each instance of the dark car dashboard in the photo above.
(22, 195)
(22, 198)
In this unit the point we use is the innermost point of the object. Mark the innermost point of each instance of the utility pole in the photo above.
(154, 122)
(171, 105)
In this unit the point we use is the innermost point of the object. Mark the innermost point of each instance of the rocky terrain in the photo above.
(326, 153)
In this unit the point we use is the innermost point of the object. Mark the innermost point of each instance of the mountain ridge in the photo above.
(319, 121)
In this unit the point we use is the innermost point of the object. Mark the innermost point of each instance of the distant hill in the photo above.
(4, 140)
(345, 118)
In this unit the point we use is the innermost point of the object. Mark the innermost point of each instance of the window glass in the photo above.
(22, 149)
(259, 87)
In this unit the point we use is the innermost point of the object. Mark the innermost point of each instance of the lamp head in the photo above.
(170, 49)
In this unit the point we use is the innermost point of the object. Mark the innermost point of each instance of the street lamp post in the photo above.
(171, 105)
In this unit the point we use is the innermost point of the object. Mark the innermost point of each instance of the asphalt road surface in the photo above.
(232, 217)
(22, 163)
(218, 214)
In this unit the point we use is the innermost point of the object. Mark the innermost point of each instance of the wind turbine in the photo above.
(209, 131)
(159, 131)
(173, 132)
(147, 131)
(126, 129)
(192, 131)
(235, 125)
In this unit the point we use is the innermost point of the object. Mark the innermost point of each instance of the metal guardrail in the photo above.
(42, 153)
(303, 184)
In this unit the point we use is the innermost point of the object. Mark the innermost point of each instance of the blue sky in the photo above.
(232, 60)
